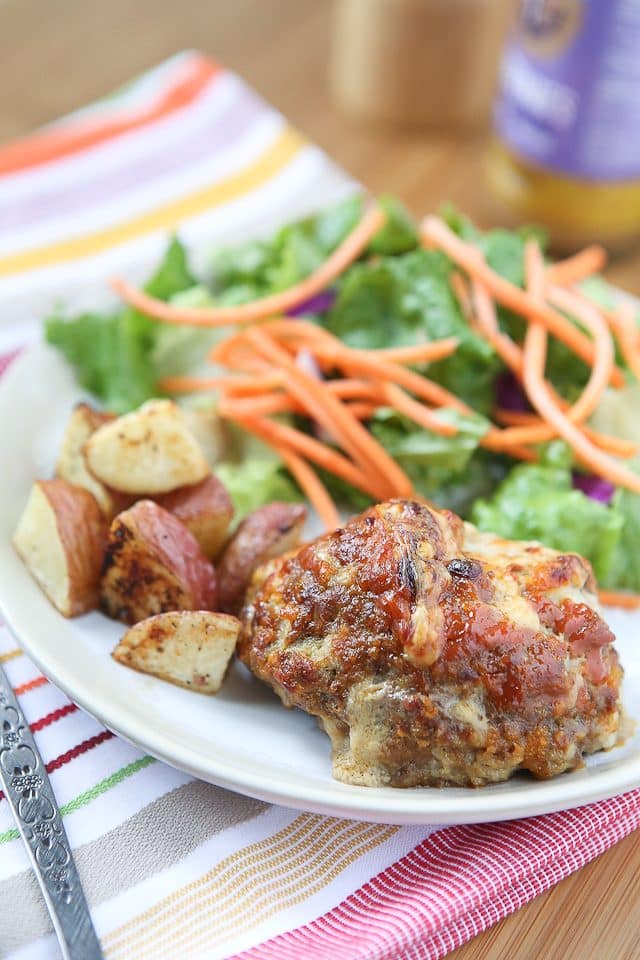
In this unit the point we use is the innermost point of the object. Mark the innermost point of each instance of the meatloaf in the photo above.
(433, 654)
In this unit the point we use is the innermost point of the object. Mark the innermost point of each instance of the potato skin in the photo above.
(206, 510)
(153, 564)
(190, 648)
(266, 533)
(61, 538)
(71, 465)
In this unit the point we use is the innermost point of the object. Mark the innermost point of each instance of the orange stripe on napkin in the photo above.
(30, 685)
(56, 143)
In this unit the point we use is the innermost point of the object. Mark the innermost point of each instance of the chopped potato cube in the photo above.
(189, 648)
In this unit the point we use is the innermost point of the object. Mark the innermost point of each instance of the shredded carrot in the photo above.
(313, 336)
(600, 371)
(280, 434)
(629, 337)
(236, 354)
(336, 355)
(603, 362)
(435, 231)
(269, 403)
(492, 440)
(298, 331)
(487, 321)
(622, 322)
(541, 398)
(419, 352)
(266, 378)
(301, 331)
(602, 365)
(349, 389)
(258, 406)
(229, 348)
(238, 386)
(461, 293)
(312, 487)
(601, 464)
(608, 313)
(619, 598)
(511, 354)
(360, 362)
(362, 410)
(612, 315)
(348, 251)
(578, 267)
(280, 403)
(336, 419)
(611, 444)
(518, 419)
(415, 411)
(542, 432)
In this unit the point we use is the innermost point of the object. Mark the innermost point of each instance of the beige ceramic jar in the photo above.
(418, 61)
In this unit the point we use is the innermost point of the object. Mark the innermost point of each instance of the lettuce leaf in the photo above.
(451, 471)
(537, 502)
(112, 353)
(399, 233)
(407, 299)
(625, 568)
(182, 349)
(254, 482)
(439, 467)
(504, 252)
(503, 249)
(261, 267)
(617, 413)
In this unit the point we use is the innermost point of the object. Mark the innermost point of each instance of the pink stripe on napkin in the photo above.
(6, 359)
(455, 884)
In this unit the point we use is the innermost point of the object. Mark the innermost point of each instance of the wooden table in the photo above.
(56, 55)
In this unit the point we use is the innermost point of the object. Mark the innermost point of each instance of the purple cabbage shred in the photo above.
(318, 304)
(594, 487)
(509, 393)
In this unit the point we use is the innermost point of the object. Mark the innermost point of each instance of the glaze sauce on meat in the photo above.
(433, 654)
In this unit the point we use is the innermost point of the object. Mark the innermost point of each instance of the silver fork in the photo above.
(28, 790)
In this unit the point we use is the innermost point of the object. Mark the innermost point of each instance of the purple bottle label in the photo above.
(569, 96)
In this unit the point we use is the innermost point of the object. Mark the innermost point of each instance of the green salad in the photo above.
(396, 294)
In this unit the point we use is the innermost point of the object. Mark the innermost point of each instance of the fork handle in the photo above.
(28, 790)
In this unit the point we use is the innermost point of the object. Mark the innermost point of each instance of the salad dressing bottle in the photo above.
(567, 120)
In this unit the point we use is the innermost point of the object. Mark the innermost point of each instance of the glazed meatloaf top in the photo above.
(434, 654)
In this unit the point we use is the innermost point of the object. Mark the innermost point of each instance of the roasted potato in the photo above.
(210, 432)
(189, 648)
(153, 564)
(71, 466)
(61, 538)
(266, 533)
(206, 509)
(146, 452)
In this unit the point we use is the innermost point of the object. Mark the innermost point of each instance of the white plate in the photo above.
(243, 738)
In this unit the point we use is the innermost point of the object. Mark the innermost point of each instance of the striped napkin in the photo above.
(173, 867)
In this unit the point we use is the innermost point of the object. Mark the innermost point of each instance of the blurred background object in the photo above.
(431, 62)
(567, 151)
(87, 48)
